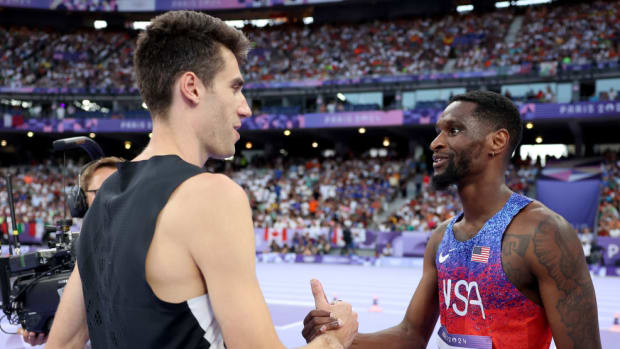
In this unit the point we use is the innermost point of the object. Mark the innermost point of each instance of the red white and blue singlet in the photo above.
(479, 307)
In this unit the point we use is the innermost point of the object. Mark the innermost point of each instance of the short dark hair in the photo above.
(177, 42)
(498, 111)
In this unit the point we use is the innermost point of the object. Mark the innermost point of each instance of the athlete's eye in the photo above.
(454, 131)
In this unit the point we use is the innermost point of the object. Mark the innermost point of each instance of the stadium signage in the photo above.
(153, 5)
(529, 111)
(136, 125)
(352, 119)
(611, 248)
(570, 110)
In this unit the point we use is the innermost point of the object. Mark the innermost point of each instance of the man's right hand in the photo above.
(338, 316)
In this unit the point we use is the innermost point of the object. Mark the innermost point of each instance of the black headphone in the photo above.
(76, 198)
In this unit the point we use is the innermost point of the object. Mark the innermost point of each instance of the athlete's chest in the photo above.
(480, 263)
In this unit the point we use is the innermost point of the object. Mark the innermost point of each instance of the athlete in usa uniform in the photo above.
(477, 298)
(505, 273)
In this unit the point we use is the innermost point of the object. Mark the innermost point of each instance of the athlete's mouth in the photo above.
(439, 160)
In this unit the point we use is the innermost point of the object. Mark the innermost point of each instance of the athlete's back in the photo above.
(122, 310)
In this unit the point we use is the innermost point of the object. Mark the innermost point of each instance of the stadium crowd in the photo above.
(609, 216)
(579, 34)
(38, 194)
(312, 194)
(100, 60)
(49, 59)
(428, 208)
(312, 197)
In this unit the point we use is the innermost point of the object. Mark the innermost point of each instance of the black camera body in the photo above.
(39, 280)
(31, 284)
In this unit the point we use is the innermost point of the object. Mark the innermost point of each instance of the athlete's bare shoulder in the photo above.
(210, 188)
(435, 239)
(208, 201)
(535, 214)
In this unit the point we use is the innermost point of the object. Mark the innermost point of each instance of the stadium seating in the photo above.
(102, 60)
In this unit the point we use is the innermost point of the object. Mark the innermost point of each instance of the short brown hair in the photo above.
(177, 42)
(87, 173)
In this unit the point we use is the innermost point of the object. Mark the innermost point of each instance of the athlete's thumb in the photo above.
(320, 300)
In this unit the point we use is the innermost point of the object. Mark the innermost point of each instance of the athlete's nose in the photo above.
(438, 142)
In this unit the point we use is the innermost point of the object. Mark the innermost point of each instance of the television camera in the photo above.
(31, 284)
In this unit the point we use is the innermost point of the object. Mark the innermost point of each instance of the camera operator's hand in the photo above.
(32, 338)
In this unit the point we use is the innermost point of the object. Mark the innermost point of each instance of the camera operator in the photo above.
(91, 177)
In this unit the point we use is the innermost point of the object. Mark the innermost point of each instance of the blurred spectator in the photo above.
(387, 250)
(274, 247)
(609, 216)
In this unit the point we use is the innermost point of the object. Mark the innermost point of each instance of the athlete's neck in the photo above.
(167, 139)
(483, 198)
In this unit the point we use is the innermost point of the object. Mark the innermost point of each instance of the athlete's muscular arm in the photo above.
(70, 329)
(420, 318)
(222, 245)
(564, 282)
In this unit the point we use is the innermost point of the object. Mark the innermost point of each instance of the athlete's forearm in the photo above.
(397, 337)
(325, 341)
(69, 329)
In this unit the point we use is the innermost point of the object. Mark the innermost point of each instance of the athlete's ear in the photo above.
(189, 87)
(499, 142)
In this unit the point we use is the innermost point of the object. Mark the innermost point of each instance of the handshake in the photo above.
(337, 317)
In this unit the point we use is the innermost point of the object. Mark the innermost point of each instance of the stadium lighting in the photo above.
(92, 135)
(100, 24)
(3, 143)
(260, 23)
(86, 102)
(464, 8)
(140, 25)
(127, 145)
(532, 2)
(308, 20)
(386, 142)
(341, 97)
(361, 130)
(529, 125)
(287, 132)
(236, 23)
(539, 139)
(504, 4)
(30, 134)
(315, 145)
(144, 106)
(248, 145)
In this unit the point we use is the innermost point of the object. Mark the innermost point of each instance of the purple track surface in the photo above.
(286, 288)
